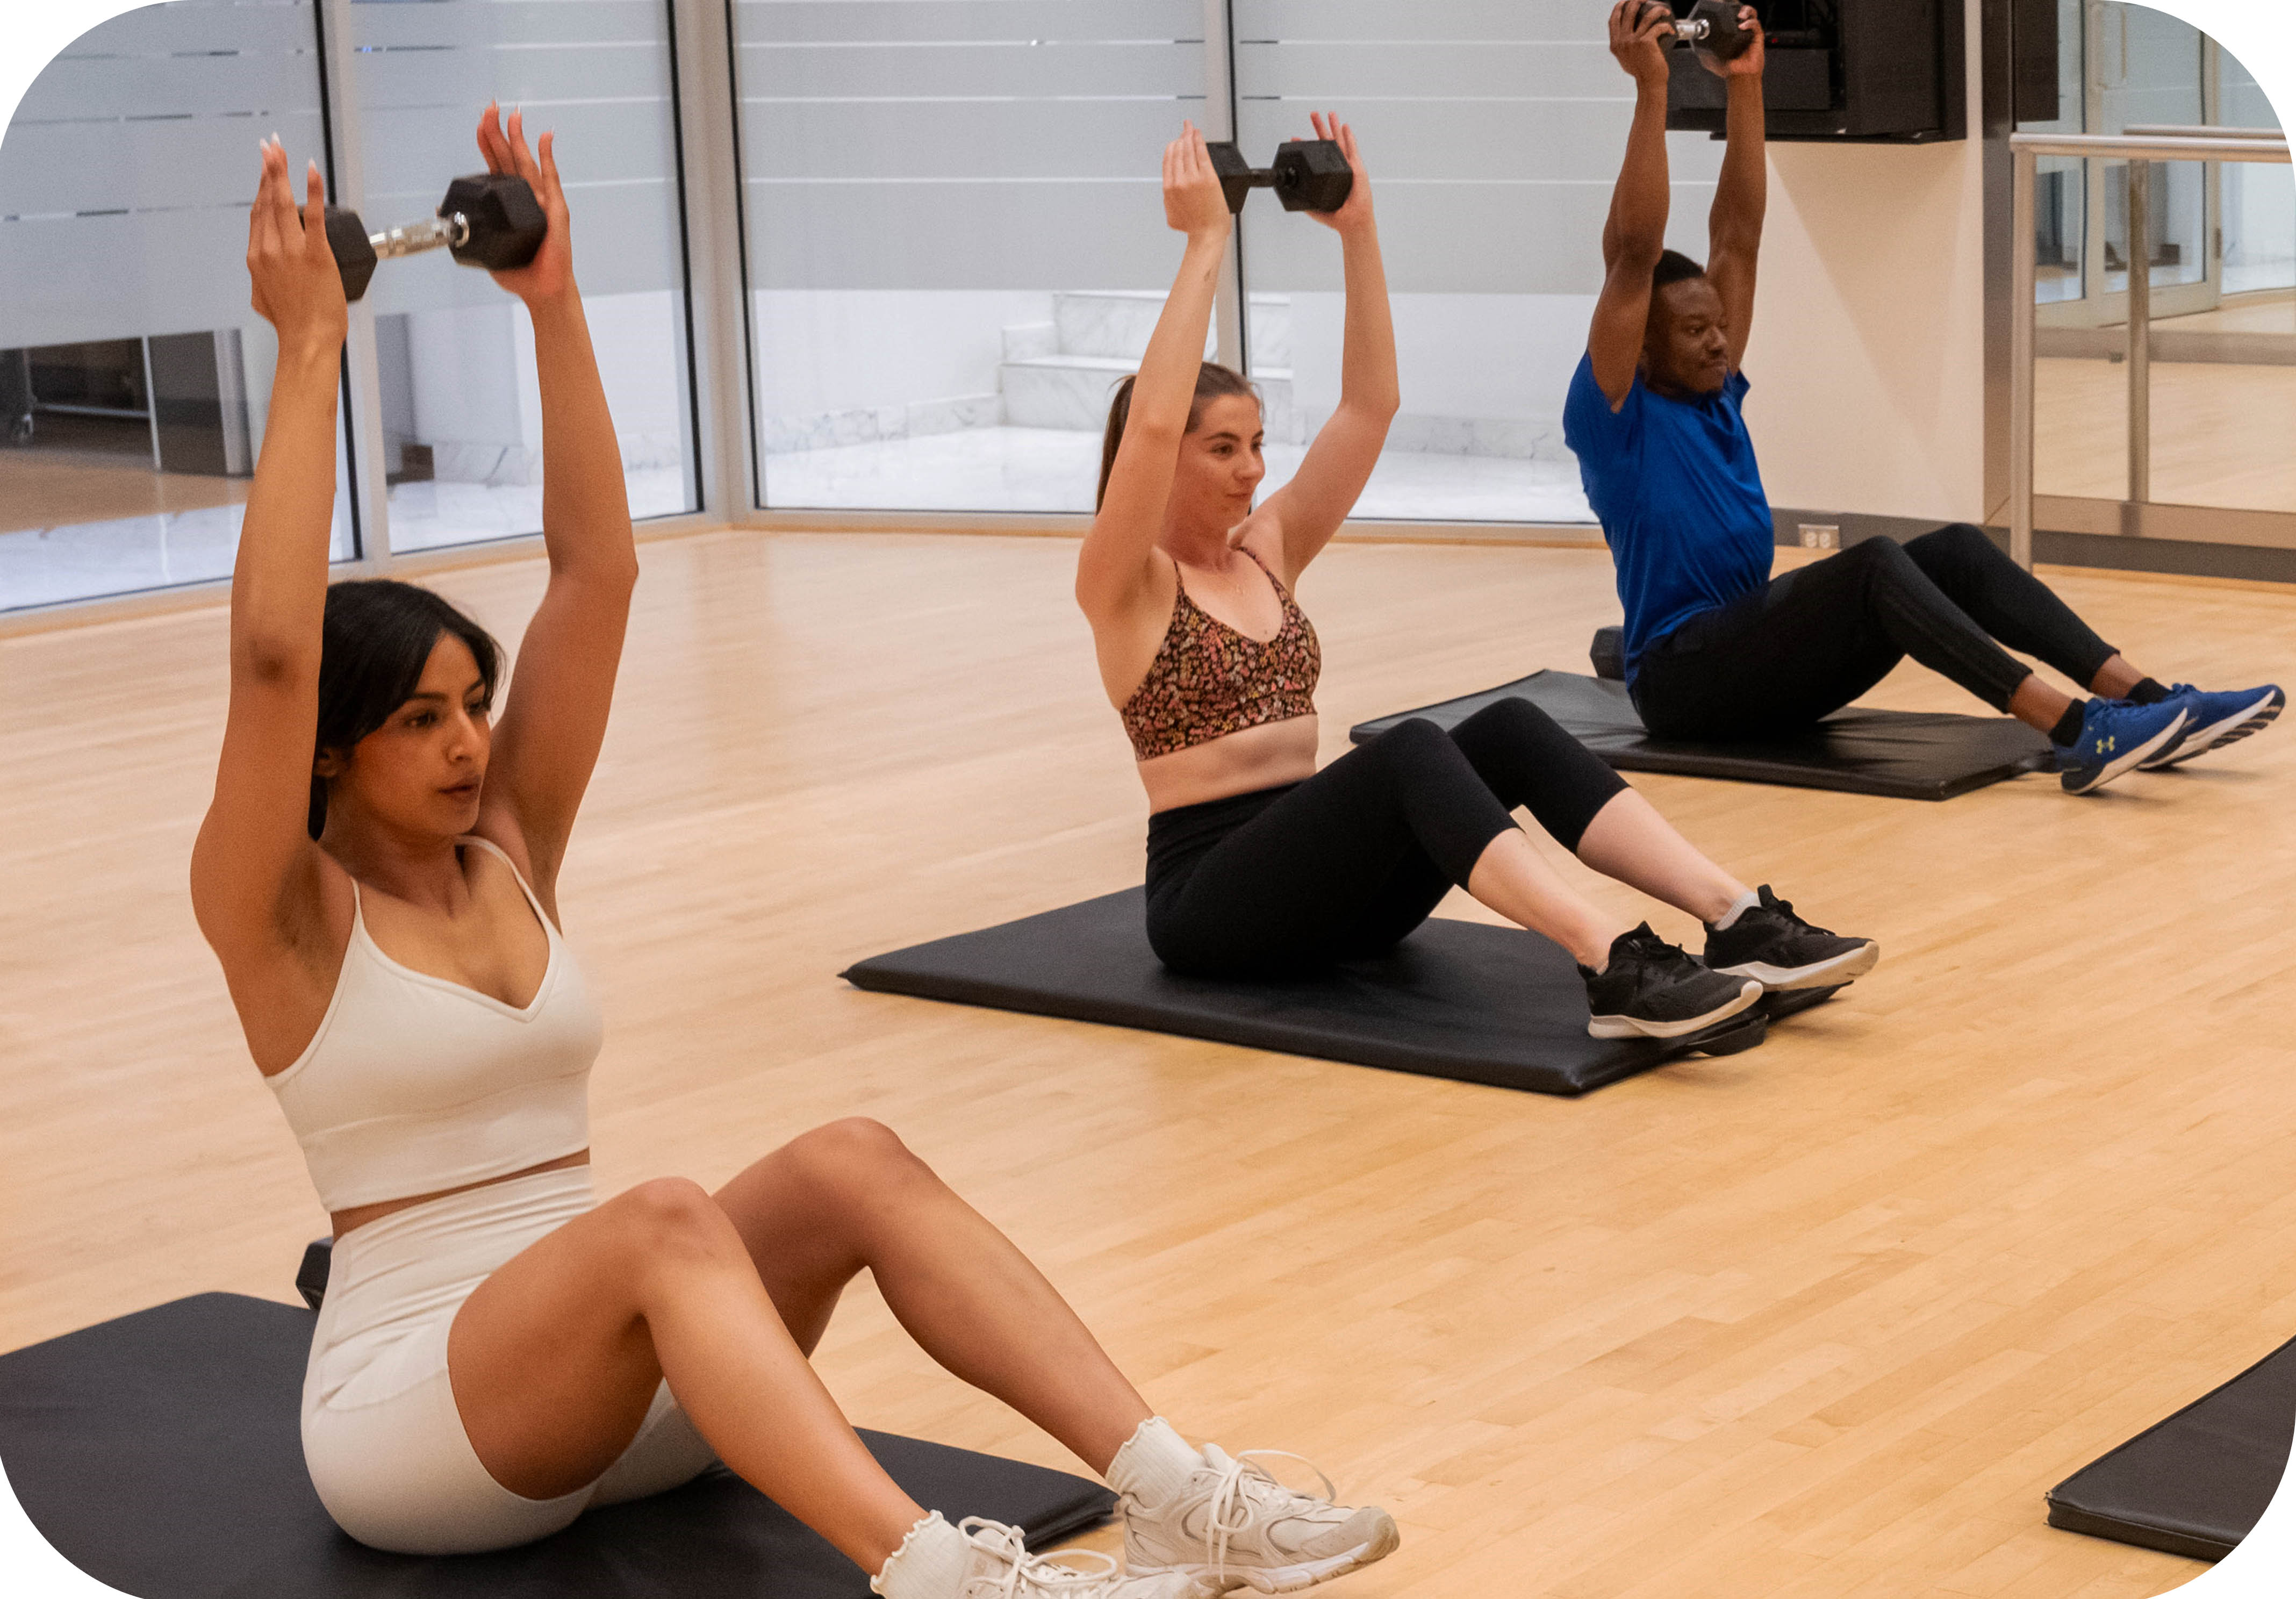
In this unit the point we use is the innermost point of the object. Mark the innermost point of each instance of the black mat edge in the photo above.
(1731, 1037)
(1096, 1502)
(2068, 1518)
(1722, 768)
(2174, 1540)
(1782, 1003)
(1354, 1051)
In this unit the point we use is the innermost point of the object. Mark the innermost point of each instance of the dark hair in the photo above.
(1213, 382)
(377, 637)
(1673, 267)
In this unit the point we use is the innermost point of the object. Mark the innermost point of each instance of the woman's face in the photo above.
(1220, 464)
(420, 772)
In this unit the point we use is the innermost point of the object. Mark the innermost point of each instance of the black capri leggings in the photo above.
(1348, 861)
(1819, 636)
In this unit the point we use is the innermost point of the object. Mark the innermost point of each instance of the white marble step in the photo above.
(1111, 324)
(1072, 392)
(1025, 342)
(1117, 323)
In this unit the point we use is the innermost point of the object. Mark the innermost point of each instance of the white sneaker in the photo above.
(1002, 1568)
(1233, 1525)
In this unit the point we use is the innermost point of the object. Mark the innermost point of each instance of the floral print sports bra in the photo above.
(1208, 680)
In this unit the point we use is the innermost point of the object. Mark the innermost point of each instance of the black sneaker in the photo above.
(1779, 950)
(1654, 989)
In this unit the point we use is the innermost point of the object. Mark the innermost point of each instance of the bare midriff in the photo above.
(1237, 763)
(358, 1216)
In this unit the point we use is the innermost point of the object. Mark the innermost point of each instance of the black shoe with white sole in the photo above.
(1779, 950)
(1654, 989)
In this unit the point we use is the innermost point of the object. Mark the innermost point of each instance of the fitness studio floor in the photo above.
(1821, 1321)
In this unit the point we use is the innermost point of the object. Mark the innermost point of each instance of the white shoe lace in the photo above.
(1027, 1576)
(1244, 1491)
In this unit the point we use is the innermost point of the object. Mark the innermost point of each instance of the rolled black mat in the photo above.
(1455, 999)
(1895, 754)
(2194, 1484)
(162, 1453)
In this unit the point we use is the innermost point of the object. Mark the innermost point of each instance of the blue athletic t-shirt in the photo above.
(1679, 496)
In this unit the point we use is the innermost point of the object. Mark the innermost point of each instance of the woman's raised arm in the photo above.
(254, 852)
(1309, 509)
(553, 719)
(1112, 571)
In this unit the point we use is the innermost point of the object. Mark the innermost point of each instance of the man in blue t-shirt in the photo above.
(1715, 647)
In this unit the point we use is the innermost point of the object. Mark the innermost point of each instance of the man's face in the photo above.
(1683, 351)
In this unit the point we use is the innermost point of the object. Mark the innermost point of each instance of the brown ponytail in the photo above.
(1213, 382)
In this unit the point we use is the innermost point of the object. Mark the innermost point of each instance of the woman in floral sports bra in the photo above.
(1259, 862)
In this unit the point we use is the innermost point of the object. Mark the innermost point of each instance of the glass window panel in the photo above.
(135, 380)
(2151, 74)
(1492, 130)
(462, 414)
(955, 243)
(2259, 201)
(2061, 182)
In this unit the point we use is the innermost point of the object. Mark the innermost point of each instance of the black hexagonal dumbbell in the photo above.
(1711, 27)
(1309, 175)
(488, 219)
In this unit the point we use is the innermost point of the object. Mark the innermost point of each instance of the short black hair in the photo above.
(373, 644)
(1674, 267)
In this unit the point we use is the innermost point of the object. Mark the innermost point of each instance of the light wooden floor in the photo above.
(46, 489)
(1821, 1321)
(2219, 431)
(2274, 314)
(89, 468)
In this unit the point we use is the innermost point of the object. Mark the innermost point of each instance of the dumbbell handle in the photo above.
(438, 233)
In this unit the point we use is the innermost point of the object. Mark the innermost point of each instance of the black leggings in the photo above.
(1817, 637)
(1350, 861)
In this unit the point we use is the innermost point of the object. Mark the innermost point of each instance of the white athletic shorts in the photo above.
(383, 1440)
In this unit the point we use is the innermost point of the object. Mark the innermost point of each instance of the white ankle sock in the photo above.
(1749, 900)
(1155, 1463)
(929, 1564)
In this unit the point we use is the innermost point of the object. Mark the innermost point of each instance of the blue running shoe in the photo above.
(2212, 721)
(2117, 736)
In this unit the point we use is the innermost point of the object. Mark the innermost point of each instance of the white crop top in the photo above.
(413, 1084)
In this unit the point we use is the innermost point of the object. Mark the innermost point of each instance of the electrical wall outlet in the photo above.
(1820, 536)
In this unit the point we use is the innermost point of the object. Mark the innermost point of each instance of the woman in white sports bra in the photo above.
(498, 1350)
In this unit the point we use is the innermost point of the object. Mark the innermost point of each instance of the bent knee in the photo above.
(1880, 551)
(1416, 732)
(1517, 720)
(1409, 744)
(1959, 546)
(852, 1152)
(675, 1215)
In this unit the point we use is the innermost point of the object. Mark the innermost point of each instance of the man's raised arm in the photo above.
(1734, 227)
(1633, 236)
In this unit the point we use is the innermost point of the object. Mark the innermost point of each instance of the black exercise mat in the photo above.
(1455, 999)
(161, 1453)
(2194, 1484)
(1896, 754)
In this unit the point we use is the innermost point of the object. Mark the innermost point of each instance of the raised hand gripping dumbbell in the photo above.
(1711, 27)
(1309, 175)
(488, 219)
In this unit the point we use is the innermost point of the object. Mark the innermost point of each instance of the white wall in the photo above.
(1868, 350)
(822, 351)
(1506, 356)
(479, 406)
